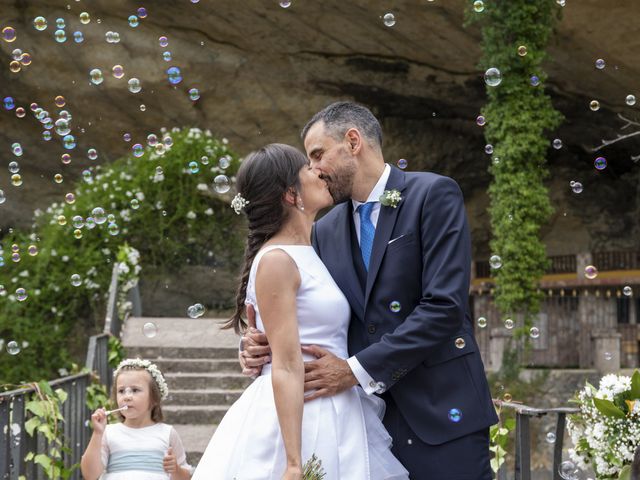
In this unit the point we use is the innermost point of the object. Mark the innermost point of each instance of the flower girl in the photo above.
(141, 447)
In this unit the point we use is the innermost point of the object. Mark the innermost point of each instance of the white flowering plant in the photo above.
(169, 202)
(606, 432)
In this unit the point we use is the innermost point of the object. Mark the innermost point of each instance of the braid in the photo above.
(263, 179)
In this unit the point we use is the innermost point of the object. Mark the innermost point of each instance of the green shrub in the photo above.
(159, 203)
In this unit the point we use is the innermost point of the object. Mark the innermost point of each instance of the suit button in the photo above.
(460, 343)
(372, 329)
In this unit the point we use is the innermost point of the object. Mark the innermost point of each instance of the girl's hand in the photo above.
(292, 473)
(169, 462)
(99, 420)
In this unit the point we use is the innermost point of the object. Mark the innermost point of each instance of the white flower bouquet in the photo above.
(606, 432)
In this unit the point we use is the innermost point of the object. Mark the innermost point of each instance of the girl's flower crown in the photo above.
(153, 370)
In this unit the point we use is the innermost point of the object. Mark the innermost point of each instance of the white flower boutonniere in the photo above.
(390, 198)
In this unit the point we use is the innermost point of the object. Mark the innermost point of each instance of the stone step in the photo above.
(195, 439)
(194, 414)
(197, 365)
(202, 381)
(203, 397)
(165, 353)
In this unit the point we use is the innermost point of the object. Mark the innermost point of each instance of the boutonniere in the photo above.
(390, 198)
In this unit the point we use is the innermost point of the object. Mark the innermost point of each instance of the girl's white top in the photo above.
(137, 453)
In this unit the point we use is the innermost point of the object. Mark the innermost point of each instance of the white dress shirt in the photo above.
(368, 384)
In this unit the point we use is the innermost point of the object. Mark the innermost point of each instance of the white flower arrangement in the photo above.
(390, 198)
(153, 370)
(606, 432)
(238, 203)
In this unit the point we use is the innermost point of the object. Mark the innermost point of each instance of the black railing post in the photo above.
(5, 437)
(523, 447)
(557, 448)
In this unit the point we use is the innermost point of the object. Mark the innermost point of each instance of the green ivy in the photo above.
(46, 420)
(161, 204)
(518, 115)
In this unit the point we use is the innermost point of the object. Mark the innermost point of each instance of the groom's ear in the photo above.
(354, 140)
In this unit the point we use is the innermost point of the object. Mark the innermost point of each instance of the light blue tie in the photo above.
(367, 231)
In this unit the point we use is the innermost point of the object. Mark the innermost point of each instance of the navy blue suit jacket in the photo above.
(426, 353)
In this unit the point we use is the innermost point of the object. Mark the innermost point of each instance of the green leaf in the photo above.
(635, 385)
(43, 460)
(607, 408)
(62, 395)
(29, 456)
(36, 407)
(31, 424)
(625, 473)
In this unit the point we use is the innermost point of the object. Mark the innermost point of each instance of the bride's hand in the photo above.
(292, 473)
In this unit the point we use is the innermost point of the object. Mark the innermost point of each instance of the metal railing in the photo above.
(15, 443)
(523, 439)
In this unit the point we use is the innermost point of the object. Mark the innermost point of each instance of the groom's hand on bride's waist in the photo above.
(254, 347)
(327, 375)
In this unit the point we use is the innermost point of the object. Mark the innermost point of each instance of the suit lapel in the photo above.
(384, 228)
(344, 272)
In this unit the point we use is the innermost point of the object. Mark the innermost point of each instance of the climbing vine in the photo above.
(515, 34)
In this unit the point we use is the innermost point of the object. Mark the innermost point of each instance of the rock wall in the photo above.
(263, 70)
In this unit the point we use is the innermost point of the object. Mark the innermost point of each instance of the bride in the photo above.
(270, 432)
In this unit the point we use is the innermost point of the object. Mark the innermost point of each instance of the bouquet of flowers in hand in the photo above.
(313, 470)
(606, 432)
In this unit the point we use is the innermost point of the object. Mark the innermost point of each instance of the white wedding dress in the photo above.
(344, 431)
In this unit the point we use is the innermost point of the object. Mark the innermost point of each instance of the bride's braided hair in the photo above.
(263, 179)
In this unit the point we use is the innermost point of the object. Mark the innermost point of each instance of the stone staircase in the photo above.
(200, 363)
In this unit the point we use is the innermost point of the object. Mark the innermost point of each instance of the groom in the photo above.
(397, 244)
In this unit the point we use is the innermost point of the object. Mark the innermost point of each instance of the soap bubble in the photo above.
(76, 281)
(600, 163)
(590, 272)
(96, 76)
(77, 221)
(78, 37)
(495, 262)
(84, 18)
(481, 121)
(594, 105)
(138, 150)
(630, 100)
(60, 36)
(16, 148)
(15, 66)
(568, 470)
(557, 144)
(195, 311)
(70, 198)
(69, 142)
(508, 324)
(600, 64)
(608, 356)
(534, 80)
(16, 180)
(3, 197)
(389, 19)
(149, 330)
(402, 163)
(221, 184)
(60, 23)
(478, 6)
(117, 71)
(283, 3)
(21, 294)
(174, 75)
(550, 437)
(9, 103)
(8, 34)
(194, 94)
(163, 41)
(522, 50)
(577, 187)
(534, 332)
(133, 21)
(482, 322)
(166, 56)
(142, 12)
(455, 415)
(40, 23)
(98, 215)
(493, 77)
(152, 139)
(488, 149)
(113, 229)
(134, 85)
(13, 348)
(627, 290)
(58, 178)
(395, 306)
(194, 167)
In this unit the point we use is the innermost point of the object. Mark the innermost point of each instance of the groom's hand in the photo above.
(255, 347)
(328, 375)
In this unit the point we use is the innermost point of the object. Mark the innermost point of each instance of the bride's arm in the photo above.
(277, 282)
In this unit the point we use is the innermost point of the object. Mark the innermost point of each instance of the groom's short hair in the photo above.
(341, 116)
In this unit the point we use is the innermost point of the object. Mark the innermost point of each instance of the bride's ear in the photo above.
(290, 196)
